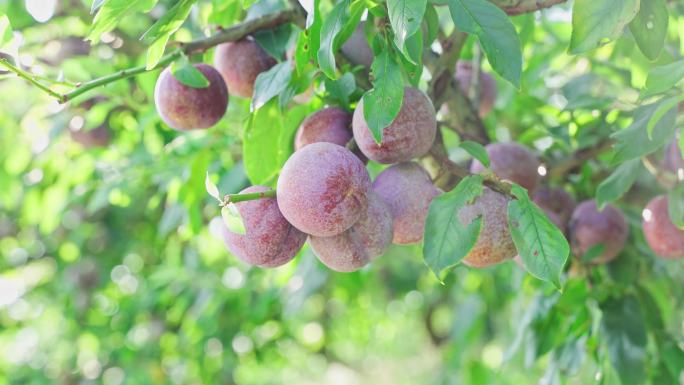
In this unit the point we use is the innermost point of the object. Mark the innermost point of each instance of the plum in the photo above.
(590, 227)
(96, 137)
(240, 62)
(356, 48)
(410, 135)
(269, 240)
(673, 158)
(495, 244)
(408, 190)
(186, 108)
(665, 239)
(332, 125)
(512, 162)
(322, 189)
(487, 86)
(366, 239)
(555, 200)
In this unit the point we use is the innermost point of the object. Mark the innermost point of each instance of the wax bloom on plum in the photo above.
(591, 228)
(330, 124)
(322, 189)
(269, 240)
(513, 162)
(664, 238)
(557, 201)
(185, 108)
(367, 239)
(356, 48)
(240, 62)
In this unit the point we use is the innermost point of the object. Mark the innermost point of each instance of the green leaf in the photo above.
(232, 219)
(342, 88)
(271, 83)
(541, 245)
(497, 35)
(382, 103)
(634, 142)
(649, 27)
(447, 239)
(211, 188)
(96, 5)
(618, 183)
(332, 25)
(412, 60)
(675, 205)
(477, 151)
(260, 143)
(405, 17)
(160, 32)
(112, 12)
(275, 41)
(187, 74)
(302, 52)
(661, 79)
(6, 32)
(155, 52)
(595, 22)
(664, 107)
(624, 332)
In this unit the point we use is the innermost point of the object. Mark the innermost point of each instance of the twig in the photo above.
(30, 78)
(234, 198)
(579, 158)
(666, 179)
(525, 6)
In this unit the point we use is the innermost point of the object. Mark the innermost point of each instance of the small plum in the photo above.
(240, 62)
(555, 200)
(322, 189)
(186, 108)
(665, 239)
(487, 86)
(366, 239)
(408, 190)
(673, 158)
(332, 125)
(590, 227)
(495, 244)
(356, 48)
(511, 161)
(269, 240)
(410, 135)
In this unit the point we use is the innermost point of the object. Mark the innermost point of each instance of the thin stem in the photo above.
(234, 198)
(30, 78)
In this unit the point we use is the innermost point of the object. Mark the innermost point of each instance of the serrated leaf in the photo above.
(618, 183)
(188, 74)
(595, 22)
(447, 239)
(331, 27)
(112, 12)
(541, 245)
(405, 17)
(624, 332)
(382, 103)
(663, 78)
(211, 188)
(649, 27)
(477, 151)
(270, 84)
(496, 33)
(232, 219)
(634, 142)
(675, 205)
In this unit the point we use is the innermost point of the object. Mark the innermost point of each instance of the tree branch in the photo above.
(579, 158)
(518, 7)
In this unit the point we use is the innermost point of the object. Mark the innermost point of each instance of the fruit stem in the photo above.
(234, 198)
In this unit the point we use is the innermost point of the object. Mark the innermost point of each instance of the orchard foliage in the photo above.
(342, 191)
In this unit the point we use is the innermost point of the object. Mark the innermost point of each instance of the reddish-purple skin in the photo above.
(96, 137)
(332, 125)
(673, 161)
(240, 63)
(665, 239)
(186, 108)
(269, 240)
(366, 239)
(494, 245)
(410, 135)
(513, 162)
(322, 189)
(408, 190)
(590, 227)
(555, 200)
(487, 84)
(356, 48)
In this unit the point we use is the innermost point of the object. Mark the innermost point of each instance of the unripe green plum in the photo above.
(513, 162)
(665, 239)
(487, 86)
(322, 189)
(366, 239)
(410, 135)
(555, 200)
(494, 245)
(186, 108)
(408, 190)
(240, 62)
(356, 48)
(590, 227)
(269, 240)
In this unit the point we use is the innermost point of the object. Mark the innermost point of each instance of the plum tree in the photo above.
(322, 189)
(408, 190)
(673, 161)
(665, 239)
(410, 135)
(366, 239)
(555, 200)
(269, 240)
(356, 48)
(513, 162)
(186, 108)
(240, 63)
(494, 245)
(590, 228)
(487, 86)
